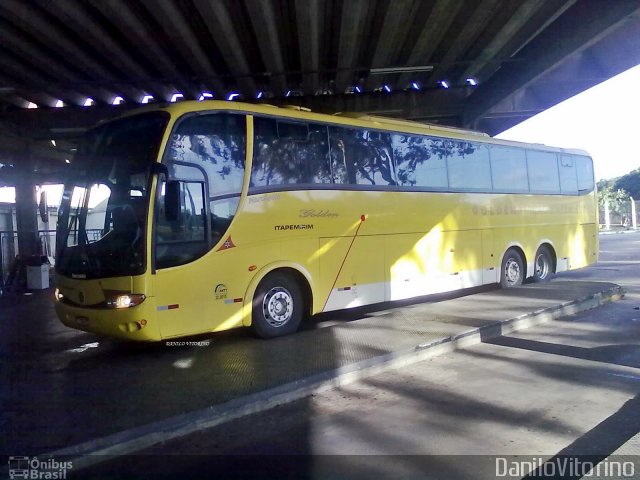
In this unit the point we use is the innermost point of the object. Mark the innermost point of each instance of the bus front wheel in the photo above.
(512, 270)
(278, 306)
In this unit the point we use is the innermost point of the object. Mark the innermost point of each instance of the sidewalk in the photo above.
(104, 397)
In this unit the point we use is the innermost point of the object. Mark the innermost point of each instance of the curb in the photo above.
(129, 441)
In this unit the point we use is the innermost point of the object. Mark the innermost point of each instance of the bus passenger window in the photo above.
(417, 164)
(361, 157)
(288, 153)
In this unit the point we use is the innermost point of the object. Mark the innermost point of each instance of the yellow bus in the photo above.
(197, 217)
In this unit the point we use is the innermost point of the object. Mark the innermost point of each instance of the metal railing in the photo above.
(47, 241)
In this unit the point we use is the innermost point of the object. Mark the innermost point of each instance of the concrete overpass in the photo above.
(483, 64)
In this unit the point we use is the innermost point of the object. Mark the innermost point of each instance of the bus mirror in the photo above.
(172, 200)
(42, 207)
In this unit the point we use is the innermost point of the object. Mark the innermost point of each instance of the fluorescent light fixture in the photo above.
(66, 160)
(232, 96)
(59, 104)
(53, 142)
(147, 99)
(175, 97)
(472, 82)
(387, 88)
(380, 71)
(259, 95)
(357, 89)
(88, 102)
(32, 105)
(117, 101)
(288, 94)
(444, 84)
(415, 85)
(204, 96)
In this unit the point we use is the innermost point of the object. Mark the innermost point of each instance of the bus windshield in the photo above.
(102, 218)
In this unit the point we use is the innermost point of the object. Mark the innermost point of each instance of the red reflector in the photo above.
(171, 307)
(237, 300)
(252, 268)
(143, 322)
(363, 218)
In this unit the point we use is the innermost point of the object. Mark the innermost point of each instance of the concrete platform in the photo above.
(71, 393)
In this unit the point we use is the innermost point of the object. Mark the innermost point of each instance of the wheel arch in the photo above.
(298, 272)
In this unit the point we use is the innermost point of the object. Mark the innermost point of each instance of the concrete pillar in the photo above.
(27, 216)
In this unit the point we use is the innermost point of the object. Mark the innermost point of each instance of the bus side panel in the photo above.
(354, 271)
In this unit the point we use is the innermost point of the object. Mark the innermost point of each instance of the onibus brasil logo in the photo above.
(34, 468)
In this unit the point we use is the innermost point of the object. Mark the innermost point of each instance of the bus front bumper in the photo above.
(134, 323)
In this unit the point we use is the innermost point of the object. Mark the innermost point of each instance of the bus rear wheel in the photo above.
(278, 306)
(543, 266)
(512, 269)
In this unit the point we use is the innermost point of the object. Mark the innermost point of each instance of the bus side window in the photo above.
(288, 153)
(543, 172)
(416, 164)
(568, 177)
(584, 168)
(361, 157)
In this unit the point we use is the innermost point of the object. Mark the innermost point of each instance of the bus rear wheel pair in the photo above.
(512, 270)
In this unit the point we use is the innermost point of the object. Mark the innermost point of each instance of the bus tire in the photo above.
(512, 269)
(278, 306)
(543, 265)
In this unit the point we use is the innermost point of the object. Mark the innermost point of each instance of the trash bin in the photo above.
(38, 277)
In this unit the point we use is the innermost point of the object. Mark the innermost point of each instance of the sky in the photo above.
(602, 120)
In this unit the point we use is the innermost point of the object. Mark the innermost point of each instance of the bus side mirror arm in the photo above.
(171, 192)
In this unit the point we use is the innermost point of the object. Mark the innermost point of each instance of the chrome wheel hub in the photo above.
(277, 306)
(512, 271)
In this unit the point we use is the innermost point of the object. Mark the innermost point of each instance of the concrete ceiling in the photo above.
(524, 55)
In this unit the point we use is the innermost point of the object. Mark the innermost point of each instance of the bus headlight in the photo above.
(124, 300)
(58, 295)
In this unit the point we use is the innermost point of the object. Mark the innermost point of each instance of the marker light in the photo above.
(259, 95)
(472, 82)
(59, 104)
(444, 84)
(117, 101)
(358, 89)
(53, 142)
(415, 85)
(387, 88)
(32, 105)
(147, 99)
(232, 96)
(175, 97)
(88, 102)
(204, 96)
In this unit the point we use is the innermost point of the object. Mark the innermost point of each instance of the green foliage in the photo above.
(618, 199)
(630, 183)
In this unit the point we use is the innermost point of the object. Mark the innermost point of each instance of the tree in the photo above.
(630, 183)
